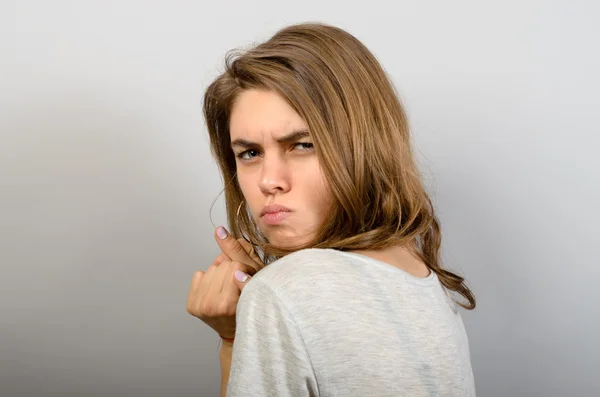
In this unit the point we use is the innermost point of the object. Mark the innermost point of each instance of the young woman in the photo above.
(329, 216)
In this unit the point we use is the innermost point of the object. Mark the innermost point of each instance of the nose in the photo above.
(274, 176)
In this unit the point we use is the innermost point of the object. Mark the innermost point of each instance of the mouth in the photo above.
(273, 208)
(275, 218)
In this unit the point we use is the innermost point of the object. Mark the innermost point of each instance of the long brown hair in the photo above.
(361, 136)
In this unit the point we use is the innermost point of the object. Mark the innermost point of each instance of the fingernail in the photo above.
(241, 276)
(221, 232)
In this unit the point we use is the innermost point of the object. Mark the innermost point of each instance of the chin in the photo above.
(287, 242)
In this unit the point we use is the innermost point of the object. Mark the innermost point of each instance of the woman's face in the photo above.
(272, 170)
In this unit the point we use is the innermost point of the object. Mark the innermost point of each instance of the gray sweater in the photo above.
(322, 322)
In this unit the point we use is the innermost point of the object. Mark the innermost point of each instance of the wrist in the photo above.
(227, 344)
(224, 339)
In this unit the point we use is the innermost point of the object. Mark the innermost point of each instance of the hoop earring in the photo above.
(237, 215)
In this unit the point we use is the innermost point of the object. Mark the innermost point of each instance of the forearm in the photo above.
(225, 356)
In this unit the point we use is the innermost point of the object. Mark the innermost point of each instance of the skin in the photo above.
(269, 172)
(272, 172)
(288, 173)
(214, 294)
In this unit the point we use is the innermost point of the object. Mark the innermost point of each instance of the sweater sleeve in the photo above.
(269, 355)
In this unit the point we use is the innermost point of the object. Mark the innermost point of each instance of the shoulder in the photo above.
(301, 276)
(297, 266)
(283, 282)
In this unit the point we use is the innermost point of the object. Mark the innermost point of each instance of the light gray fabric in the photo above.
(321, 322)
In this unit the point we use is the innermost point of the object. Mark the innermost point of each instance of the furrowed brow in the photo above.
(291, 137)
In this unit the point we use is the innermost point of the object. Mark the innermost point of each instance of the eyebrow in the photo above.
(291, 137)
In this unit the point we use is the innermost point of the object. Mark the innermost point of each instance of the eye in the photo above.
(242, 154)
(310, 145)
(249, 154)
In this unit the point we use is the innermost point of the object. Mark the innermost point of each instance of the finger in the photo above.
(241, 279)
(233, 249)
(220, 258)
(231, 286)
(221, 277)
(213, 278)
(196, 280)
(249, 248)
(192, 296)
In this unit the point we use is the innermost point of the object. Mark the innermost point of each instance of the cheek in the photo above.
(249, 191)
(320, 193)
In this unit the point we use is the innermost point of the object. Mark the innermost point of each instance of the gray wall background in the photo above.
(106, 182)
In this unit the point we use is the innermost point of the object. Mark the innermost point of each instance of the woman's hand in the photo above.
(214, 294)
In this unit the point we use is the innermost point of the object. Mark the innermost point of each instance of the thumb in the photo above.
(241, 279)
(233, 248)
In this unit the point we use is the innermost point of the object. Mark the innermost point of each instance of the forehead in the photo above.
(258, 113)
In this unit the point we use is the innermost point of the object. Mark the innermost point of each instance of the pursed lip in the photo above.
(273, 209)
